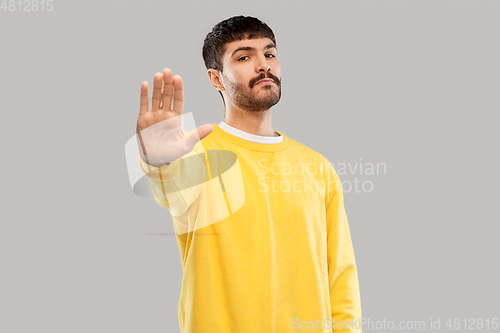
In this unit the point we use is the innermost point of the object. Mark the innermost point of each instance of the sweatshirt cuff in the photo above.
(165, 171)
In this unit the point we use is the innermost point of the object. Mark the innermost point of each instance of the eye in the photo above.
(242, 58)
(271, 55)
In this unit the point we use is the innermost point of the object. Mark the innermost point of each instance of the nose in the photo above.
(263, 65)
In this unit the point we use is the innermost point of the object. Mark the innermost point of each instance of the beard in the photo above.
(248, 99)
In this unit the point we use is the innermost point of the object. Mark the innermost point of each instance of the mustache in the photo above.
(264, 76)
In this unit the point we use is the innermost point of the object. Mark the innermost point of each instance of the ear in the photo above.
(214, 77)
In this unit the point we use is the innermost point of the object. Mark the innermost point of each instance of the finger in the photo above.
(168, 90)
(203, 131)
(156, 99)
(178, 95)
(144, 98)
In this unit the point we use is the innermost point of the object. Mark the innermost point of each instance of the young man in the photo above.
(259, 218)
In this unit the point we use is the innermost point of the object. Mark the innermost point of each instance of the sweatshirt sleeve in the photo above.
(176, 186)
(342, 272)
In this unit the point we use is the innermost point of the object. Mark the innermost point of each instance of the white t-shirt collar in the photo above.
(250, 137)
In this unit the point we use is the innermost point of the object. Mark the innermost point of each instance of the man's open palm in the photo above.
(160, 131)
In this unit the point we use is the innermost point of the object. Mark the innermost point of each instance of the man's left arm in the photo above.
(342, 271)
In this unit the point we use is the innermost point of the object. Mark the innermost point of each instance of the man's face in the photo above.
(245, 63)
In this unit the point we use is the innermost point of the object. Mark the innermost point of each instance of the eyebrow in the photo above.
(249, 48)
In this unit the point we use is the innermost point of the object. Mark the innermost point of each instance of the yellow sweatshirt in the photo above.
(263, 237)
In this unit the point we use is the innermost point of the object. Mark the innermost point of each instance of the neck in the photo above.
(258, 123)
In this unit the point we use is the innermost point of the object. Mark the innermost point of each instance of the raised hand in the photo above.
(160, 131)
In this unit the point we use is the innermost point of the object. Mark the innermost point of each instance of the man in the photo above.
(264, 239)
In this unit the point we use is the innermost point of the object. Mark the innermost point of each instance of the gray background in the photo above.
(412, 84)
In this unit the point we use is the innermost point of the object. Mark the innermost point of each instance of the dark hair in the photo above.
(230, 30)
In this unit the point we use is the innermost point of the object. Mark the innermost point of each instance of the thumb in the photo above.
(202, 131)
